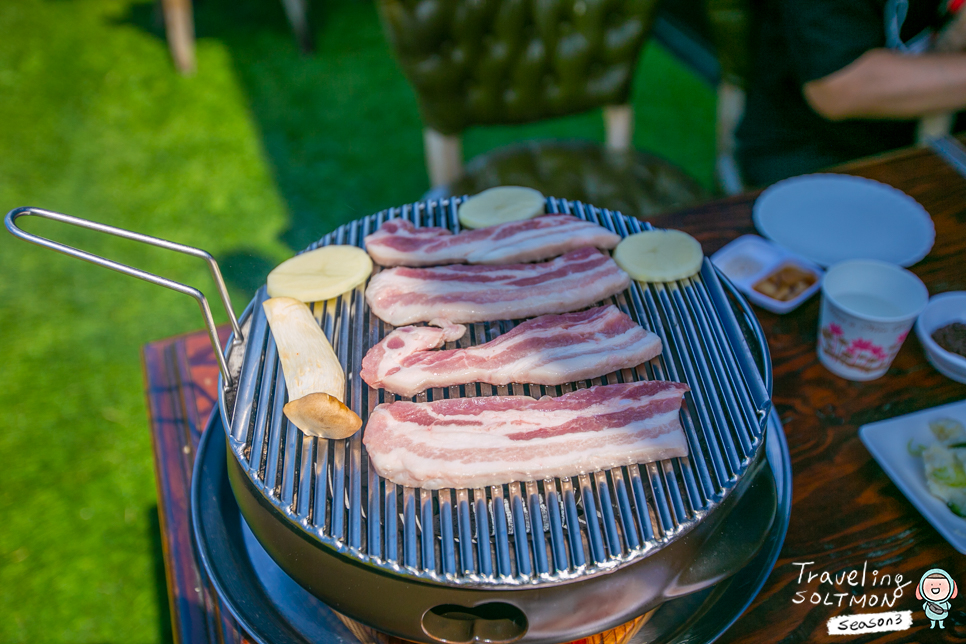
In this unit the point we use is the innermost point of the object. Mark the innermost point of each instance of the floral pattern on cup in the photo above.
(857, 353)
(867, 310)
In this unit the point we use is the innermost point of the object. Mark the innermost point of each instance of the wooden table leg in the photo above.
(180, 28)
(297, 13)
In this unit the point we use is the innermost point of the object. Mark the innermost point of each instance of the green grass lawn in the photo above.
(260, 152)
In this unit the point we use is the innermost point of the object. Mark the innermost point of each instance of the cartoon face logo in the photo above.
(935, 589)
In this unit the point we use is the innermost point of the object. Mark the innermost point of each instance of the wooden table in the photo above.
(846, 513)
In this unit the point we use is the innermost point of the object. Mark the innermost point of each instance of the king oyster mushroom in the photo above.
(313, 376)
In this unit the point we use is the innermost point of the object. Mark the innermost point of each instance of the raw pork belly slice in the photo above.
(463, 293)
(548, 350)
(400, 243)
(475, 442)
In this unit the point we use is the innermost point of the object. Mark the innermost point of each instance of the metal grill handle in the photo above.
(16, 213)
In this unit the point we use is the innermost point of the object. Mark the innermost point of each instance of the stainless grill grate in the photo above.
(521, 533)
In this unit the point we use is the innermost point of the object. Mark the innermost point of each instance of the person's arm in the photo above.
(883, 84)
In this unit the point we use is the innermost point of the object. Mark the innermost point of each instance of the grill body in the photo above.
(723, 543)
(585, 544)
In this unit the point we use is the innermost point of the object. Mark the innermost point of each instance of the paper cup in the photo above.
(868, 308)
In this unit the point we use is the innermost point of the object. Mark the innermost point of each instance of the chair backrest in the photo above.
(476, 62)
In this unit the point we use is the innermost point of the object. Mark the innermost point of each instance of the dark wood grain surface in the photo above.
(846, 513)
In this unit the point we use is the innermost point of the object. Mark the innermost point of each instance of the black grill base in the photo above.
(550, 613)
(273, 608)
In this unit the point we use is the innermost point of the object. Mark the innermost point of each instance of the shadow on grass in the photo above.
(339, 129)
(245, 269)
(160, 580)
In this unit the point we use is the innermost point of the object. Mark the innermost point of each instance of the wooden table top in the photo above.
(846, 513)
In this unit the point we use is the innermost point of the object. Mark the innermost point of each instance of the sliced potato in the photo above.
(320, 274)
(313, 374)
(659, 255)
(501, 205)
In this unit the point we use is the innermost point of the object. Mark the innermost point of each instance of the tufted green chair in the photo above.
(480, 62)
(730, 26)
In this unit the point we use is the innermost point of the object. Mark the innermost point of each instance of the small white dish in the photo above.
(829, 218)
(943, 309)
(750, 259)
(888, 441)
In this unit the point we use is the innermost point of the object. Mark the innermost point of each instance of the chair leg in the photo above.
(297, 13)
(444, 157)
(619, 127)
(731, 105)
(934, 126)
(180, 29)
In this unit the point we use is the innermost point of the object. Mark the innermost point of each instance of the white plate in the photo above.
(829, 218)
(887, 440)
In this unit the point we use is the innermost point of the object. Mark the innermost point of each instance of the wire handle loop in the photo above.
(16, 213)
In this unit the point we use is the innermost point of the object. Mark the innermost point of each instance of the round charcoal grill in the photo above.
(536, 561)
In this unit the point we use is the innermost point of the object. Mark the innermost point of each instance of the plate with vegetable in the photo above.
(924, 454)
